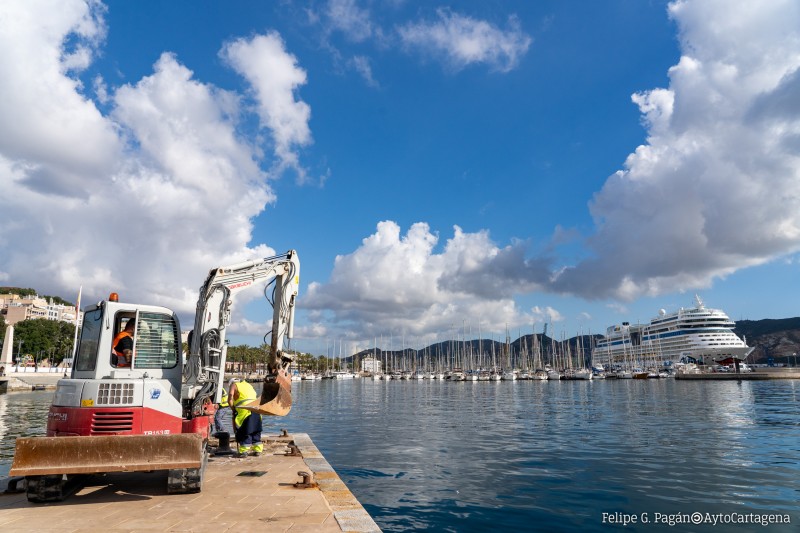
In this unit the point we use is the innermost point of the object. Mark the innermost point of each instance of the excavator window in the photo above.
(91, 328)
(157, 342)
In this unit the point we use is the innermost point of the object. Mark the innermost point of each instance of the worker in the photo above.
(219, 423)
(246, 424)
(122, 345)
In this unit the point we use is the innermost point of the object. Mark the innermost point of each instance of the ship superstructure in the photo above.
(694, 335)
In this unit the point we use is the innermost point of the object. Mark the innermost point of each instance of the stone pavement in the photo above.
(239, 495)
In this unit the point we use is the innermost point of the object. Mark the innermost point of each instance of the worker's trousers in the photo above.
(248, 435)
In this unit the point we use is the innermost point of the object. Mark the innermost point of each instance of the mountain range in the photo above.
(771, 339)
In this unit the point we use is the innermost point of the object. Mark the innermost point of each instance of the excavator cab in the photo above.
(156, 343)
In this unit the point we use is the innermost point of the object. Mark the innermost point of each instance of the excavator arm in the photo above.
(205, 367)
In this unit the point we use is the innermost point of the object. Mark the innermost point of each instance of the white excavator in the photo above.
(155, 412)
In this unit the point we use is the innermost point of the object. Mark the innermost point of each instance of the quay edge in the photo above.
(760, 374)
(253, 493)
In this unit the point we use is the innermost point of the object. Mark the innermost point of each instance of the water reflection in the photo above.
(22, 414)
(470, 456)
(476, 456)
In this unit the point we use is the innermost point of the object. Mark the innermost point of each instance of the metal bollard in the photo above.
(224, 447)
(284, 433)
(308, 481)
(294, 451)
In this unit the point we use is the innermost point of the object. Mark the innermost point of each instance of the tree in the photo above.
(2, 328)
(25, 293)
(45, 338)
(305, 361)
(245, 358)
(326, 363)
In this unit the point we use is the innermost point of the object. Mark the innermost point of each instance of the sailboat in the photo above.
(581, 372)
(508, 368)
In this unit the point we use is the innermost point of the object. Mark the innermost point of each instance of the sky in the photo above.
(442, 169)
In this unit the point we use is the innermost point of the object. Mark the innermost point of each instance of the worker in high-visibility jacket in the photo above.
(246, 424)
(219, 421)
(122, 345)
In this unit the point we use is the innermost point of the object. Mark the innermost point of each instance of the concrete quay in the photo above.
(238, 495)
(28, 381)
(759, 374)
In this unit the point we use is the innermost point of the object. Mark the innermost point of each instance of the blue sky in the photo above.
(437, 166)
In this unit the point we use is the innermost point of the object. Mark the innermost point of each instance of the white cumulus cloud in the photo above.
(461, 41)
(142, 199)
(397, 283)
(715, 188)
(346, 16)
(546, 315)
(274, 76)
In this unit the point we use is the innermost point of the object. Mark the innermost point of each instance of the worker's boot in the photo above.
(244, 451)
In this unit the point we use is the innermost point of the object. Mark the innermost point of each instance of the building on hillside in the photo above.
(6, 299)
(16, 309)
(26, 309)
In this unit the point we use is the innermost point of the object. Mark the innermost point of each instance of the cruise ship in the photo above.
(695, 335)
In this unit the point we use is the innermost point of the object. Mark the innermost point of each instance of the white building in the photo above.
(371, 364)
(16, 309)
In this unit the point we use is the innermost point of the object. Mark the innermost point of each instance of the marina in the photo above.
(688, 341)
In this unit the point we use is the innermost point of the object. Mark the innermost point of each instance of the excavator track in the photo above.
(186, 480)
(52, 488)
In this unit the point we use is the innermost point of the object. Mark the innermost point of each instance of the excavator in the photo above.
(155, 412)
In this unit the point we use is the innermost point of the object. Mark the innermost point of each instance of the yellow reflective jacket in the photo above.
(244, 393)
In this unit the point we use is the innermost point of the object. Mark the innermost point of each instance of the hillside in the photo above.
(31, 293)
(771, 338)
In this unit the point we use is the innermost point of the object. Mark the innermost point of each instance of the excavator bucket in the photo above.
(276, 396)
(41, 456)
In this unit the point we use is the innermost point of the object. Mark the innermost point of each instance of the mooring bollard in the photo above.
(294, 451)
(224, 446)
(308, 481)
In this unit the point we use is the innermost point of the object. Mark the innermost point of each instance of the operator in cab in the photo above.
(122, 345)
(246, 424)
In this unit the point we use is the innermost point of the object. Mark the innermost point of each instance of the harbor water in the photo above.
(548, 456)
